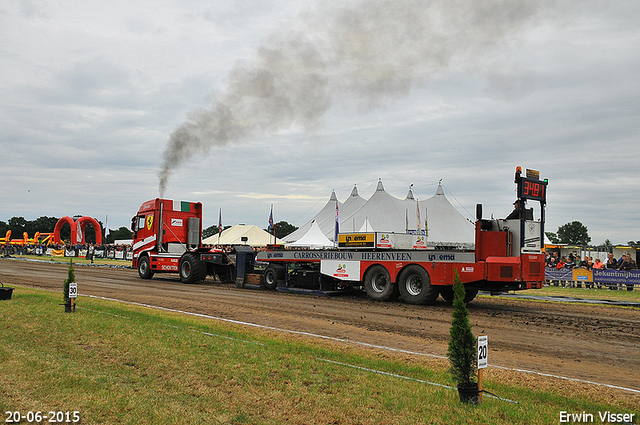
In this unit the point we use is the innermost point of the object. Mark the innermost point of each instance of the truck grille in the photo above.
(534, 268)
(506, 272)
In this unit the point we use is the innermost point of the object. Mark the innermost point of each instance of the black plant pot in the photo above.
(5, 292)
(468, 393)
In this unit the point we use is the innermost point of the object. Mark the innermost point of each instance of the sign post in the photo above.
(482, 362)
(73, 293)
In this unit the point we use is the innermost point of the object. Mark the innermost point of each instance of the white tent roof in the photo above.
(350, 206)
(386, 213)
(366, 227)
(327, 212)
(446, 225)
(254, 235)
(314, 238)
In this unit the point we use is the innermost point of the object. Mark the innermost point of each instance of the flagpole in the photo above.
(219, 225)
(426, 223)
(335, 236)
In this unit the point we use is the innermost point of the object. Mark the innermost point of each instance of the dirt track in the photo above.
(594, 343)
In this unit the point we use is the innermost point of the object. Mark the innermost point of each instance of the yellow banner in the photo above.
(356, 240)
(57, 252)
(582, 275)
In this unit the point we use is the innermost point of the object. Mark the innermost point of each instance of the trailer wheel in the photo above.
(144, 268)
(415, 286)
(192, 270)
(378, 284)
(470, 295)
(448, 295)
(271, 276)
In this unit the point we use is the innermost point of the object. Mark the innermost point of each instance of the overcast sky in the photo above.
(240, 105)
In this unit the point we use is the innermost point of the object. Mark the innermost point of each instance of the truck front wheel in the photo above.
(378, 284)
(144, 268)
(415, 286)
(192, 270)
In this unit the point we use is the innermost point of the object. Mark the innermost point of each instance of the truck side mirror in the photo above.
(478, 211)
(133, 226)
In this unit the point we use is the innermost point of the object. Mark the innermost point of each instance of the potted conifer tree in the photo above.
(71, 277)
(462, 347)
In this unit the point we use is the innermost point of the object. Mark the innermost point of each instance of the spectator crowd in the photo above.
(624, 263)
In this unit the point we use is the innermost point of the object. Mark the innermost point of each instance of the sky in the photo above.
(244, 105)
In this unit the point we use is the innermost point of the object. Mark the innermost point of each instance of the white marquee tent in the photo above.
(326, 218)
(314, 238)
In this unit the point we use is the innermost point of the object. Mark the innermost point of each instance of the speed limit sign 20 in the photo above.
(482, 352)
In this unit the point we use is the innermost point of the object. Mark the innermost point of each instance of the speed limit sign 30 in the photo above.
(73, 290)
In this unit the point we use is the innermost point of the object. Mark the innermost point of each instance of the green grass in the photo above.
(117, 363)
(76, 260)
(590, 293)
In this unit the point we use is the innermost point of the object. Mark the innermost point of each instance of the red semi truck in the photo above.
(507, 255)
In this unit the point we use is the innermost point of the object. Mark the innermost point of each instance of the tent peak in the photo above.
(439, 190)
(354, 192)
(380, 187)
(410, 194)
(333, 196)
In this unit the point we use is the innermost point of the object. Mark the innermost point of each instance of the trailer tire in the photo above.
(191, 269)
(378, 285)
(415, 286)
(448, 295)
(144, 268)
(470, 295)
(271, 276)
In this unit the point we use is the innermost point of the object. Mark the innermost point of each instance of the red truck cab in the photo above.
(163, 230)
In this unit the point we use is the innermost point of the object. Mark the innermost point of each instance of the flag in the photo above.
(220, 222)
(106, 227)
(335, 237)
(271, 219)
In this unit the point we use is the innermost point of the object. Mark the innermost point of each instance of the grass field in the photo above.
(590, 293)
(117, 363)
(76, 260)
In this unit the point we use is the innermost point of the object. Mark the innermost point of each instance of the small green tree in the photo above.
(553, 238)
(283, 229)
(71, 277)
(462, 344)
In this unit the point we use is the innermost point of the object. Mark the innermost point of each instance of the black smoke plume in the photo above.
(367, 52)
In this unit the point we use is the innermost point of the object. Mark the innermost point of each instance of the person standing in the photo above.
(626, 265)
(516, 213)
